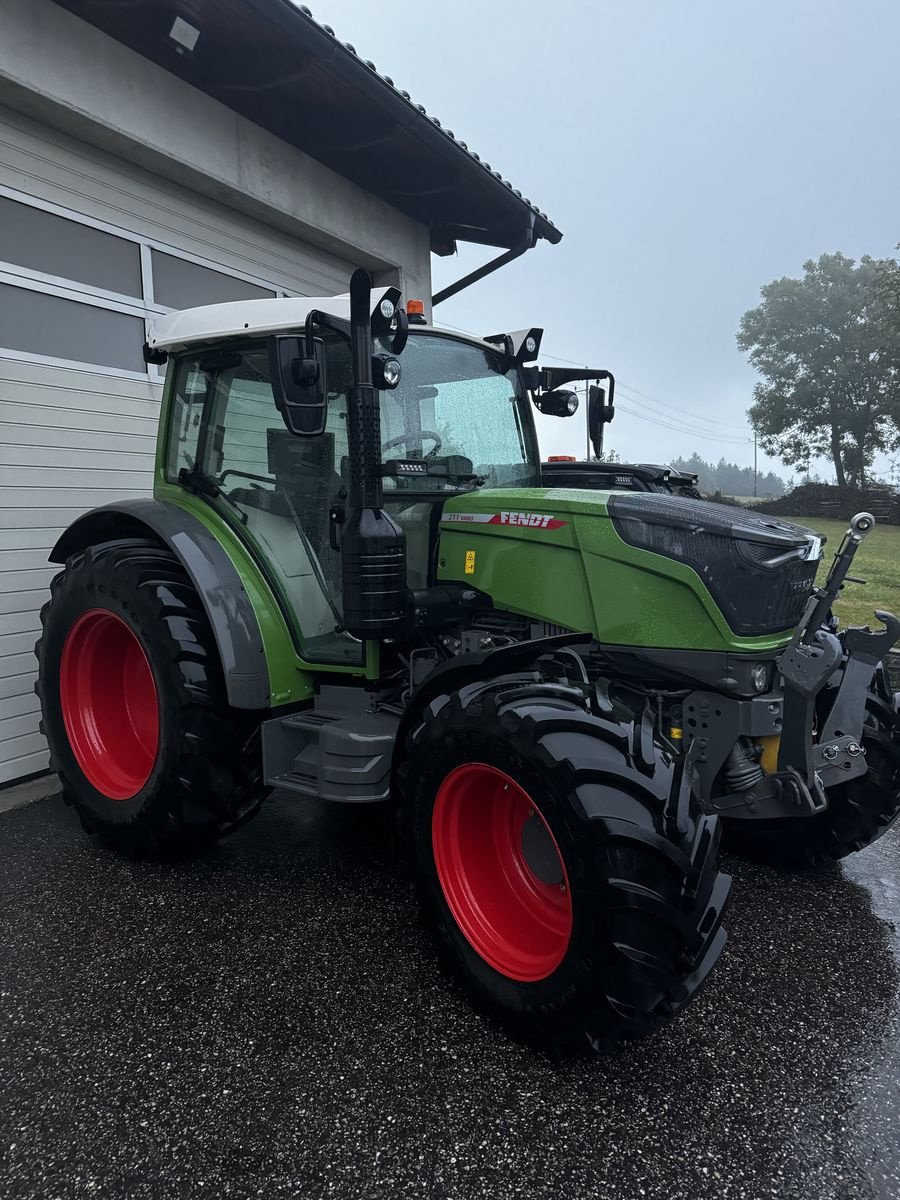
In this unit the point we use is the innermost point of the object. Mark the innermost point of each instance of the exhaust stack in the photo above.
(376, 597)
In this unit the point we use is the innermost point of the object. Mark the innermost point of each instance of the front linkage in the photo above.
(816, 720)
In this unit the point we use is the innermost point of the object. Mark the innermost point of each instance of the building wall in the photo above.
(124, 192)
(64, 72)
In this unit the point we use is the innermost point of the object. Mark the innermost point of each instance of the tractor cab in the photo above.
(261, 427)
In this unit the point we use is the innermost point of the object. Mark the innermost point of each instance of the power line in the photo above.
(666, 409)
(669, 410)
(670, 421)
(703, 435)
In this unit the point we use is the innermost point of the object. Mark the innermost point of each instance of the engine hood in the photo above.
(647, 569)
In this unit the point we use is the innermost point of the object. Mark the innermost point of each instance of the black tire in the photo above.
(205, 778)
(639, 857)
(858, 812)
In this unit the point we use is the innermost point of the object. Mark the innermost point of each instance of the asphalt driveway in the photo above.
(270, 1022)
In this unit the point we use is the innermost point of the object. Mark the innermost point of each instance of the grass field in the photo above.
(877, 561)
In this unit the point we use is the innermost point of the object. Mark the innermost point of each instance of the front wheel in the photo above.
(133, 704)
(563, 891)
(858, 811)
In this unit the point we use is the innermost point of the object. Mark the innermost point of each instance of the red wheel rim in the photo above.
(501, 872)
(109, 704)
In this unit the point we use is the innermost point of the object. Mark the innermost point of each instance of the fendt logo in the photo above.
(534, 520)
(529, 520)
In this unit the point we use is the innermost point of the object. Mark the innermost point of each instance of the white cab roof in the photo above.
(244, 318)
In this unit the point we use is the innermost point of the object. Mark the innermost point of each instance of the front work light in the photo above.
(387, 372)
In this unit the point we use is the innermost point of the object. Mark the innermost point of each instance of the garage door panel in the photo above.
(30, 580)
(16, 727)
(56, 459)
(22, 601)
(97, 479)
(18, 706)
(38, 519)
(28, 539)
(12, 687)
(23, 560)
(47, 379)
(26, 764)
(19, 747)
(17, 643)
(14, 436)
(80, 499)
(13, 665)
(131, 419)
(21, 622)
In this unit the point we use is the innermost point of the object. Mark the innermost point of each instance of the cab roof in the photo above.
(259, 318)
(243, 318)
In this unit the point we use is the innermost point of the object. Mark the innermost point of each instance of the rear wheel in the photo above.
(571, 886)
(134, 706)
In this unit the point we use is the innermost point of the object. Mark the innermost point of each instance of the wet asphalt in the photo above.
(269, 1021)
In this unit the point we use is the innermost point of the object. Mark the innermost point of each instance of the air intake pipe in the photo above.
(376, 597)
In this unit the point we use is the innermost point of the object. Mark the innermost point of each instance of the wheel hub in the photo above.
(540, 852)
(501, 872)
(109, 704)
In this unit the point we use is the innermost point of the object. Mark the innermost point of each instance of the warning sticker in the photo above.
(470, 562)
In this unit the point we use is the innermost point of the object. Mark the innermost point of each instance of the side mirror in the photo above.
(558, 403)
(599, 414)
(299, 383)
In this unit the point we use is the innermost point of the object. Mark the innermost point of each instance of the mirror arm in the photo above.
(316, 320)
(554, 377)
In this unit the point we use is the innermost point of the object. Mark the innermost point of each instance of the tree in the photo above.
(885, 309)
(829, 386)
(729, 478)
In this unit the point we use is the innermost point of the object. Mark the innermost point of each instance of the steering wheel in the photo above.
(403, 439)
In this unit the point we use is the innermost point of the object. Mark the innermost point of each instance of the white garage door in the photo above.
(89, 246)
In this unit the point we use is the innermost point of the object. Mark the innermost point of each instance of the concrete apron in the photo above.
(20, 794)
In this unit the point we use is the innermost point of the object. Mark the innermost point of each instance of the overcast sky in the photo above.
(690, 152)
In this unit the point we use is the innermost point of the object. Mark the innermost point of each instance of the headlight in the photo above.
(387, 309)
(759, 676)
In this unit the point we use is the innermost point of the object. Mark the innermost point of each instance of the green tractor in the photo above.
(350, 584)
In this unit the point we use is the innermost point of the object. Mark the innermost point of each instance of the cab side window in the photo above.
(188, 406)
(279, 488)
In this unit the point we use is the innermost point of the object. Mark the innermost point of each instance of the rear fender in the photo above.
(211, 571)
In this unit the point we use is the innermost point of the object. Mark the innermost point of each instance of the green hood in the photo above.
(555, 555)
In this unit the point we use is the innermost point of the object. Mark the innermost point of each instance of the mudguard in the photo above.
(212, 573)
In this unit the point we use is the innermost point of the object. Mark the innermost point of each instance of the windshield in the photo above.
(458, 413)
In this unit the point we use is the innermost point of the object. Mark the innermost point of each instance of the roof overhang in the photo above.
(269, 61)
